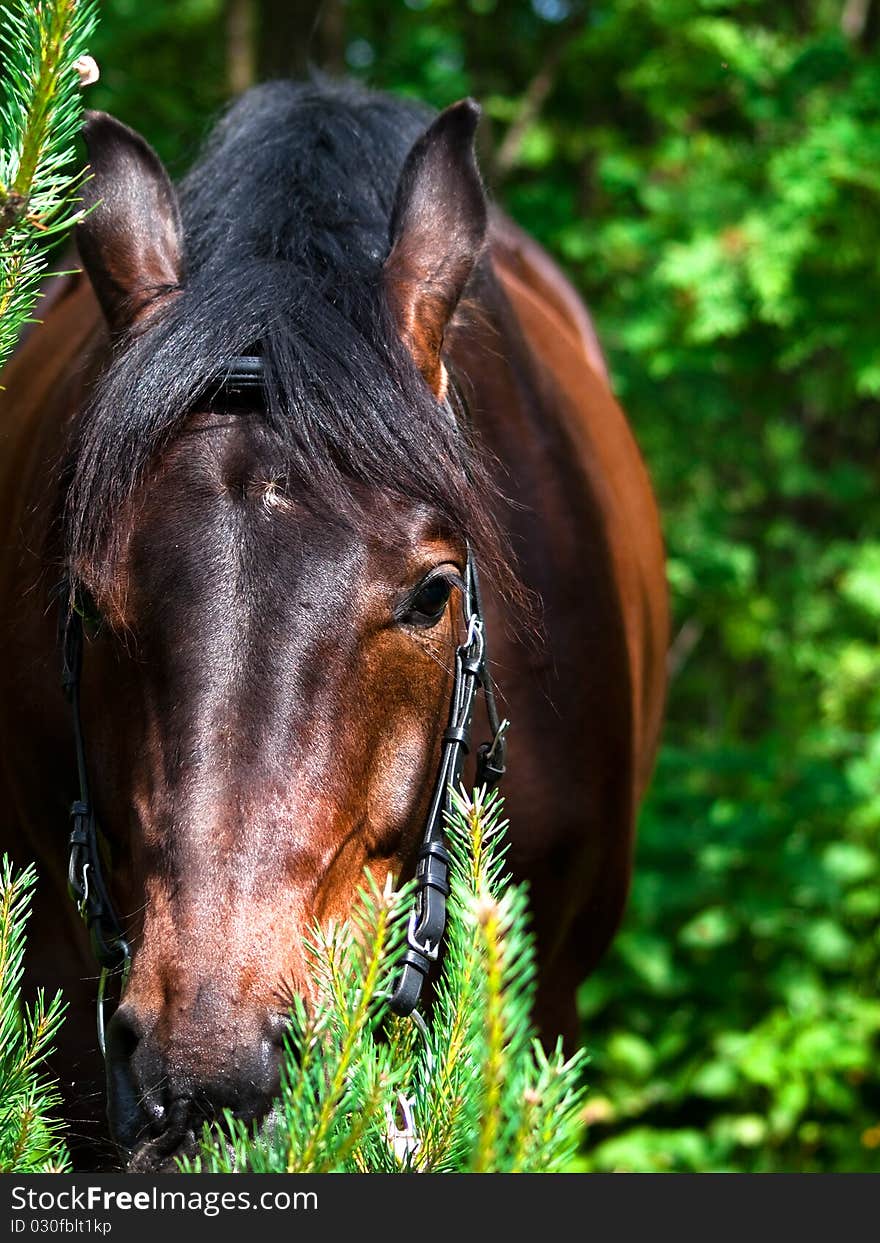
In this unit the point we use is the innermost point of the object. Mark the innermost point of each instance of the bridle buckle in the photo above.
(426, 949)
(499, 741)
(82, 905)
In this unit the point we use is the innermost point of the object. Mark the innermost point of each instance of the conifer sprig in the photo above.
(470, 1090)
(40, 116)
(30, 1141)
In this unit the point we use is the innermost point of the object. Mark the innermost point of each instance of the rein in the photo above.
(427, 921)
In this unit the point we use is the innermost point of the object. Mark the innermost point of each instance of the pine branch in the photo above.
(30, 1140)
(40, 116)
(483, 1094)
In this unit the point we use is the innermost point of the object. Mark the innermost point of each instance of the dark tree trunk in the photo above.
(241, 69)
(296, 35)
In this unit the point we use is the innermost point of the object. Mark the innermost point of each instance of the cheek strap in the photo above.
(85, 875)
(427, 921)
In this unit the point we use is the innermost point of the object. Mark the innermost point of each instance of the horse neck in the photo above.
(43, 389)
(582, 507)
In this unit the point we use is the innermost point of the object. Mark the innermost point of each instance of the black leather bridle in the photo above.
(427, 922)
(85, 874)
(428, 919)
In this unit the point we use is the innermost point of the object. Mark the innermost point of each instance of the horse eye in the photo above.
(429, 602)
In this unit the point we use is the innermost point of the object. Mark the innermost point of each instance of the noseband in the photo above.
(241, 382)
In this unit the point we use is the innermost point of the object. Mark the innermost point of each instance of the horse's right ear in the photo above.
(438, 228)
(131, 241)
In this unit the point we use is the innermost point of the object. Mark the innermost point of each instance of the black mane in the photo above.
(286, 219)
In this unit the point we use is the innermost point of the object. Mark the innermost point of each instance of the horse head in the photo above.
(271, 584)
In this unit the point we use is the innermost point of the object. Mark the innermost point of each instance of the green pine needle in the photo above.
(40, 117)
(482, 1094)
(30, 1140)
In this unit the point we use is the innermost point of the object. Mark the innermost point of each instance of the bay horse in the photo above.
(270, 589)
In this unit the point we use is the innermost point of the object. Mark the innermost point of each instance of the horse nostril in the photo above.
(161, 1092)
(276, 1043)
(133, 1104)
(124, 1032)
(277, 1025)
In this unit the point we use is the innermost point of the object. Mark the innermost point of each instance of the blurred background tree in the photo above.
(709, 174)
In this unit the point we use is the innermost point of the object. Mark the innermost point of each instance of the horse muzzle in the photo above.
(161, 1091)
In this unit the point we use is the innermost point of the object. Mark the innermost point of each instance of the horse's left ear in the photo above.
(438, 226)
(130, 241)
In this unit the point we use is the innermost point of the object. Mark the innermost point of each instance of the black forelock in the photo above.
(286, 222)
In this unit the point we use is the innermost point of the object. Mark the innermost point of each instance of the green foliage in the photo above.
(162, 70)
(40, 115)
(729, 245)
(480, 1092)
(30, 1141)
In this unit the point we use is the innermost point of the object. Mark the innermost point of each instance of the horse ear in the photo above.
(131, 240)
(438, 226)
